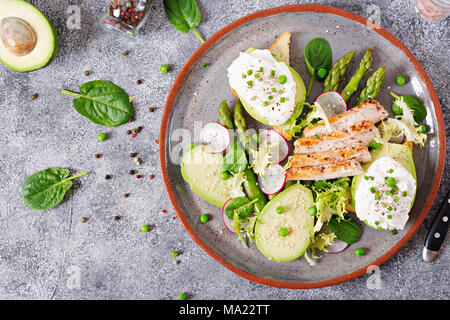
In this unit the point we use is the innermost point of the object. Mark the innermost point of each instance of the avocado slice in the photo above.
(300, 96)
(202, 171)
(400, 152)
(295, 201)
(28, 40)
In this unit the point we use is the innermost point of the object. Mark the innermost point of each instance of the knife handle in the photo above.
(438, 230)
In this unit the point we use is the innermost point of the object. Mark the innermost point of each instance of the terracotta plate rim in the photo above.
(265, 13)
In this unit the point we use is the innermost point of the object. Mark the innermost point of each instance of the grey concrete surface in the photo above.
(54, 255)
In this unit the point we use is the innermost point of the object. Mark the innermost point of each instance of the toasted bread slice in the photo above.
(280, 48)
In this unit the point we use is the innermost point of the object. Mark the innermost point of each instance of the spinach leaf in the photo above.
(318, 56)
(415, 105)
(45, 189)
(235, 160)
(103, 103)
(184, 15)
(345, 230)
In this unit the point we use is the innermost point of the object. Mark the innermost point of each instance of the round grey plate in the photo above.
(198, 91)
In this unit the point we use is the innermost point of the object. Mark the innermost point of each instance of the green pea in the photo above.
(224, 175)
(374, 145)
(164, 68)
(145, 228)
(312, 211)
(359, 252)
(400, 80)
(279, 209)
(322, 73)
(283, 232)
(175, 254)
(191, 145)
(182, 296)
(102, 136)
(282, 79)
(204, 218)
(256, 137)
(423, 128)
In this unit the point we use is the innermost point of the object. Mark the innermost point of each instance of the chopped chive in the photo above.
(249, 72)
(261, 69)
(389, 217)
(260, 79)
(387, 192)
(377, 197)
(244, 76)
(270, 97)
(396, 199)
(377, 222)
(384, 205)
(280, 91)
(256, 75)
(282, 79)
(274, 90)
(372, 189)
(282, 99)
(394, 190)
(366, 177)
(404, 193)
(272, 74)
(389, 208)
(250, 84)
(391, 170)
(266, 103)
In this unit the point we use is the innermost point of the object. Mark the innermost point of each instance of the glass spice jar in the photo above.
(126, 16)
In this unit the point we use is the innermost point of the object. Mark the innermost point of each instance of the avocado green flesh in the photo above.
(47, 40)
(300, 95)
(295, 201)
(202, 171)
(400, 152)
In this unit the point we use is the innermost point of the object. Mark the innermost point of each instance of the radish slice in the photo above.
(280, 149)
(273, 180)
(337, 247)
(332, 103)
(226, 221)
(215, 135)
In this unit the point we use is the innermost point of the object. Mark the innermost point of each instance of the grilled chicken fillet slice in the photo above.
(370, 110)
(359, 134)
(358, 153)
(326, 171)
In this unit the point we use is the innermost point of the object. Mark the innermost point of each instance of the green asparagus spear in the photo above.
(241, 125)
(253, 191)
(361, 73)
(373, 85)
(337, 72)
(225, 115)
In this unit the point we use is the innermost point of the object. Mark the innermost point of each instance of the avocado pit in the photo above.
(18, 37)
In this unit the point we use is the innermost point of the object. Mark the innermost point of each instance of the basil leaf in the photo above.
(318, 55)
(45, 189)
(184, 15)
(103, 103)
(235, 160)
(345, 230)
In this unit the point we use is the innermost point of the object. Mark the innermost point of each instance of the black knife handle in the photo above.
(438, 230)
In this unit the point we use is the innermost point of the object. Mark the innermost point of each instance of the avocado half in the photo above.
(27, 17)
(300, 96)
(400, 152)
